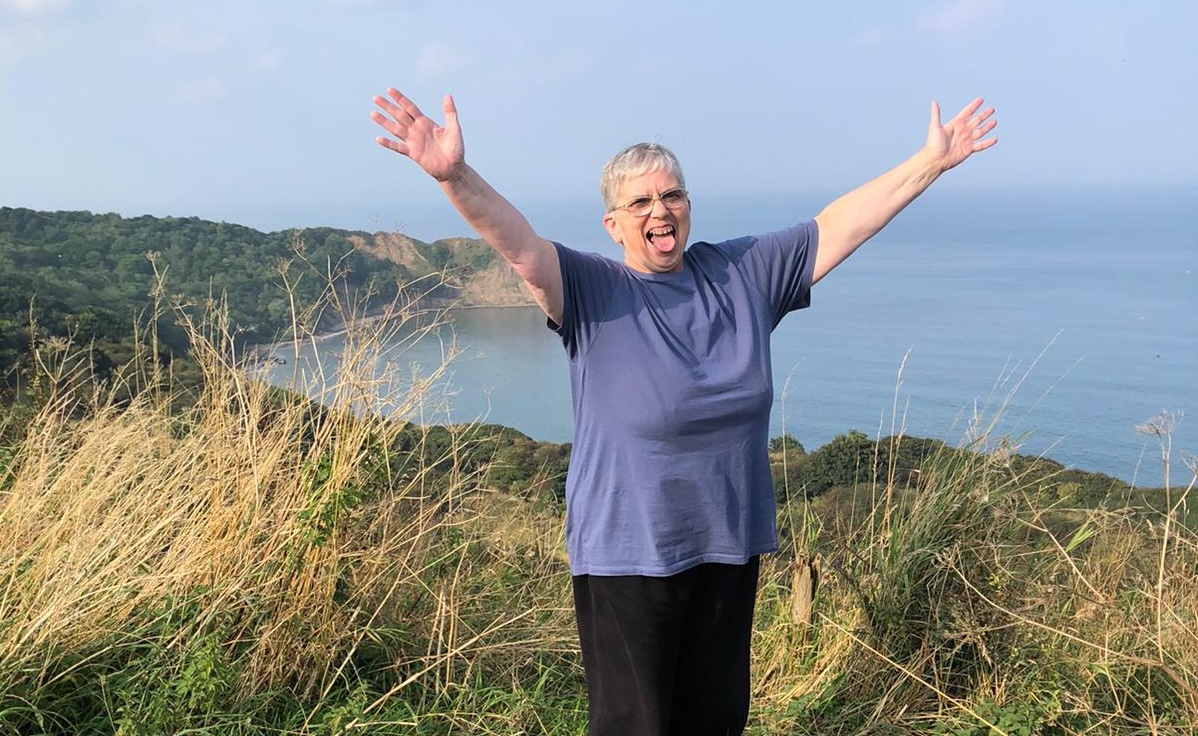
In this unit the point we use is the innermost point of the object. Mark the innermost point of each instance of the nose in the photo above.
(656, 205)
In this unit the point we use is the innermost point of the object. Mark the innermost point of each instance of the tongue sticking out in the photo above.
(662, 239)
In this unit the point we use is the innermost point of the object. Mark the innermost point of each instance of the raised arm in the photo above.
(855, 217)
(441, 153)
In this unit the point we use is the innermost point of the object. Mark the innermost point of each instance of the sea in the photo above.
(1059, 323)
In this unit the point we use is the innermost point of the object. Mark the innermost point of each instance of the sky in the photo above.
(257, 111)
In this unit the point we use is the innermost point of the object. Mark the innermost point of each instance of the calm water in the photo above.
(1063, 321)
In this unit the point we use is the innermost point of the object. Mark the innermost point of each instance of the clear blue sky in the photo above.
(235, 109)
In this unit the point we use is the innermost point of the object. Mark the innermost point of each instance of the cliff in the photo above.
(469, 271)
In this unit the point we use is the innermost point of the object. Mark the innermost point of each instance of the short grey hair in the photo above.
(636, 160)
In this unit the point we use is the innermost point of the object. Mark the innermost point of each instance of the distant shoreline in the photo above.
(261, 351)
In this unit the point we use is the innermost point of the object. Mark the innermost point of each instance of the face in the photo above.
(653, 243)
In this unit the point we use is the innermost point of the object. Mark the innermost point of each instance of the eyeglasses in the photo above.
(675, 199)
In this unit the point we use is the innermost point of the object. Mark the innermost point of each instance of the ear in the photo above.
(613, 228)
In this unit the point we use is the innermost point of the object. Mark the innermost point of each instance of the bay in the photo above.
(1053, 321)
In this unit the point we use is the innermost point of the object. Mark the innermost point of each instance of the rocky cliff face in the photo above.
(462, 272)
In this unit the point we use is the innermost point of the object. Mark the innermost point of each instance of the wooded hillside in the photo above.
(93, 277)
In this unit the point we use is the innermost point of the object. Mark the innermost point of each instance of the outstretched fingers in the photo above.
(396, 129)
(399, 109)
(436, 149)
(982, 119)
(393, 144)
(980, 126)
(403, 109)
(976, 125)
(983, 144)
(398, 115)
(966, 133)
(969, 110)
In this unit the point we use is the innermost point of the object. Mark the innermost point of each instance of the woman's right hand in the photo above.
(438, 150)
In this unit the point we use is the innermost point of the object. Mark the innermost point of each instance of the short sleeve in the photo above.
(781, 264)
(588, 280)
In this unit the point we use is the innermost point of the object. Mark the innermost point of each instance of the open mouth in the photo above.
(661, 238)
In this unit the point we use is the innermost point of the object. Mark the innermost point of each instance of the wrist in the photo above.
(458, 176)
(929, 162)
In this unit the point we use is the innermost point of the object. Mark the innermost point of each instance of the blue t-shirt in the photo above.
(672, 389)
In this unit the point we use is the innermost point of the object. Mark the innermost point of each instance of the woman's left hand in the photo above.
(961, 137)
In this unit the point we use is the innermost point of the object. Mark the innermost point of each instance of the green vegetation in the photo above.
(94, 277)
(854, 459)
(258, 564)
(197, 552)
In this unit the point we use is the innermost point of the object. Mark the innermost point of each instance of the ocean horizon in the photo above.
(1056, 325)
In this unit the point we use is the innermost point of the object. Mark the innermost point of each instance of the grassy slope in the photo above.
(264, 566)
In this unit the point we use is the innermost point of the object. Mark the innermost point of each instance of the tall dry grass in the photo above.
(980, 603)
(258, 563)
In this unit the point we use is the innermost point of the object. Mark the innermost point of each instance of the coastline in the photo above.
(262, 353)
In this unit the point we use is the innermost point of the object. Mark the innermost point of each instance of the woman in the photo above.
(669, 501)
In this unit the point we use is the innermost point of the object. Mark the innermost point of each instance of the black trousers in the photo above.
(668, 656)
